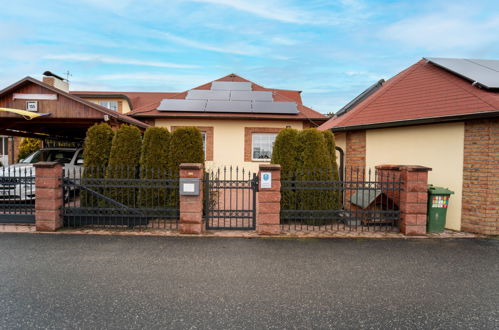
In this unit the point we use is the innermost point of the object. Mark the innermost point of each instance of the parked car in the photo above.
(17, 182)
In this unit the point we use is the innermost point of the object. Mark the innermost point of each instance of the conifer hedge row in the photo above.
(125, 155)
(307, 155)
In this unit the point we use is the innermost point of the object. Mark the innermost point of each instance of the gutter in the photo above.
(422, 121)
(234, 118)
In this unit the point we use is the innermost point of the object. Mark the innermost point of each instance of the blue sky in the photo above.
(331, 50)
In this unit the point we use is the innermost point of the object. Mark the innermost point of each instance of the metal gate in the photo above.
(128, 198)
(230, 199)
(17, 194)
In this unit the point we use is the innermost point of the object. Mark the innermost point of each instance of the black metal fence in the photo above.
(124, 197)
(17, 194)
(230, 199)
(313, 200)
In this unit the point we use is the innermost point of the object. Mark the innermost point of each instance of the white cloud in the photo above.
(115, 60)
(451, 29)
(237, 49)
(278, 11)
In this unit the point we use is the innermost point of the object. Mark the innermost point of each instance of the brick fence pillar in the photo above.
(413, 197)
(191, 207)
(268, 202)
(48, 196)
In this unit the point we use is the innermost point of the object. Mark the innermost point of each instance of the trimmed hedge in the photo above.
(186, 147)
(154, 164)
(97, 145)
(96, 150)
(28, 146)
(286, 153)
(124, 161)
(331, 147)
(314, 165)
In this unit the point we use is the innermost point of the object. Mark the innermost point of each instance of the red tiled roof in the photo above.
(279, 95)
(422, 91)
(137, 99)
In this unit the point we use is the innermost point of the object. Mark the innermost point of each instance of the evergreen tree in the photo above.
(154, 164)
(123, 162)
(96, 152)
(331, 147)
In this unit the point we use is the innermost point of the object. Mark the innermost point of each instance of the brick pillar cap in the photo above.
(47, 164)
(270, 167)
(191, 166)
(410, 168)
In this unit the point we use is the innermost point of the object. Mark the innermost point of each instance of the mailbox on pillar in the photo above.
(189, 187)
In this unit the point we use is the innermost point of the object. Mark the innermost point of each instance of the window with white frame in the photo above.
(111, 105)
(262, 145)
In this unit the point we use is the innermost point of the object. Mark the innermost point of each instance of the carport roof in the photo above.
(70, 117)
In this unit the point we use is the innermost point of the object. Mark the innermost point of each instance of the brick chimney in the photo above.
(55, 81)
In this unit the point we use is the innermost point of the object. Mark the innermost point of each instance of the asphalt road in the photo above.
(83, 281)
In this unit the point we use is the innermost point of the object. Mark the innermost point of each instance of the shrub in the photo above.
(97, 145)
(285, 151)
(28, 146)
(286, 154)
(123, 162)
(186, 147)
(154, 164)
(314, 165)
(96, 152)
(331, 147)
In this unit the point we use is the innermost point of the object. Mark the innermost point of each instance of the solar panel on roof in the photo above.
(275, 107)
(182, 105)
(200, 94)
(251, 96)
(484, 72)
(228, 106)
(231, 86)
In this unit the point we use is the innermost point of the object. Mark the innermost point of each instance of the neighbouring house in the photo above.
(442, 113)
(239, 119)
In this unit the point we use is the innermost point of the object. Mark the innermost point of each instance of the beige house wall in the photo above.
(439, 146)
(228, 138)
(123, 106)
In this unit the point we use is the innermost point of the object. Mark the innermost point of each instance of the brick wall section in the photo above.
(191, 207)
(480, 211)
(268, 202)
(48, 196)
(413, 199)
(355, 154)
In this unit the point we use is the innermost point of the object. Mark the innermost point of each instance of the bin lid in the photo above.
(439, 190)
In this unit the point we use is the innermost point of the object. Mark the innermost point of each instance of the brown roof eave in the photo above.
(218, 117)
(421, 121)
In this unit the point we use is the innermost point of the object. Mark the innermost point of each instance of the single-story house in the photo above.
(239, 119)
(442, 113)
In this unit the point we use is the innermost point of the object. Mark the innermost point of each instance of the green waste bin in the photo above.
(438, 202)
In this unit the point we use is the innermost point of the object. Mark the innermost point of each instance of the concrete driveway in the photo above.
(84, 281)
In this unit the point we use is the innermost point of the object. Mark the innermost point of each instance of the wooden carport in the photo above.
(68, 116)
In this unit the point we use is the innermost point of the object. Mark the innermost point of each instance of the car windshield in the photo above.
(61, 156)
